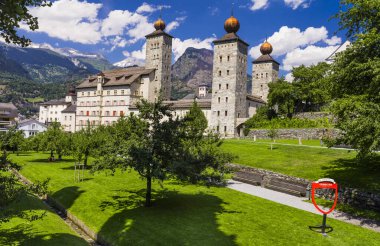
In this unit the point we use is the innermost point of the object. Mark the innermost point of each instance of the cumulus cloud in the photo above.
(77, 21)
(174, 24)
(294, 4)
(259, 4)
(287, 39)
(310, 55)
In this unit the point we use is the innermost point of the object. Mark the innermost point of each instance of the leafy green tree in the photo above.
(272, 133)
(15, 12)
(355, 77)
(55, 139)
(282, 94)
(311, 88)
(17, 141)
(158, 147)
(194, 123)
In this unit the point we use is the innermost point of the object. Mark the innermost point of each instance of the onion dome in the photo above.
(231, 25)
(159, 24)
(266, 48)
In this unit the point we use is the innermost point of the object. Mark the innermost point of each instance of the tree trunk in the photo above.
(85, 159)
(51, 154)
(148, 191)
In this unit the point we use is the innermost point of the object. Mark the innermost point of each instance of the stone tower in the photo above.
(159, 57)
(229, 80)
(264, 70)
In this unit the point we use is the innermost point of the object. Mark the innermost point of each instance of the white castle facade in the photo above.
(103, 98)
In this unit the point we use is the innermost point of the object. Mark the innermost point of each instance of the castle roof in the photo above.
(228, 37)
(265, 58)
(158, 33)
(72, 108)
(255, 99)
(124, 76)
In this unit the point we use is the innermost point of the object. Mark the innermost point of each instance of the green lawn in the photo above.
(49, 230)
(307, 142)
(35, 99)
(182, 214)
(306, 162)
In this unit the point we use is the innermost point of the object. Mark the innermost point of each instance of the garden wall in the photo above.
(303, 133)
(355, 197)
(313, 115)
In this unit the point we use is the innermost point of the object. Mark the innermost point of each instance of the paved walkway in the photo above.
(297, 202)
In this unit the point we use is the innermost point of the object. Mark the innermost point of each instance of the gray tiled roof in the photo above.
(158, 32)
(124, 76)
(230, 37)
(265, 58)
(255, 99)
(72, 108)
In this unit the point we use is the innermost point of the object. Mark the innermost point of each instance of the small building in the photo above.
(31, 127)
(8, 116)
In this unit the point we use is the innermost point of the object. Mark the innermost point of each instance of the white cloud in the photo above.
(287, 39)
(180, 46)
(259, 4)
(148, 8)
(310, 55)
(294, 4)
(289, 77)
(78, 21)
(333, 40)
(174, 24)
(69, 20)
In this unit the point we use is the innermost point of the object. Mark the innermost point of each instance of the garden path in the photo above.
(299, 203)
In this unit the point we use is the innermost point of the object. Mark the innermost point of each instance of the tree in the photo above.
(55, 139)
(85, 143)
(355, 77)
(282, 94)
(311, 88)
(17, 141)
(273, 133)
(158, 146)
(12, 13)
(194, 123)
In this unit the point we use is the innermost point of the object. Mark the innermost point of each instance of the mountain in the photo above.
(193, 68)
(43, 63)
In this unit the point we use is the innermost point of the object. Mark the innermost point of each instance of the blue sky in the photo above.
(300, 30)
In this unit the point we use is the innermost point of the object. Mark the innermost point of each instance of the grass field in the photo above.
(182, 214)
(306, 162)
(49, 230)
(35, 99)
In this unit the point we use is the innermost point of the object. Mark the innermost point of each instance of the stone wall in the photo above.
(303, 133)
(313, 115)
(355, 197)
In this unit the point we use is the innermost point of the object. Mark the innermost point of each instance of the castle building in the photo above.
(103, 98)
(229, 91)
(264, 70)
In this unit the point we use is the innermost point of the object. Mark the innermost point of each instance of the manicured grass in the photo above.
(35, 99)
(49, 230)
(306, 162)
(182, 214)
(307, 142)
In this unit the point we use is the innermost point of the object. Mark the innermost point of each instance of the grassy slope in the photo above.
(50, 230)
(182, 214)
(306, 162)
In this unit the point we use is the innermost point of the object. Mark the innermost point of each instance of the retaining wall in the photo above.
(303, 133)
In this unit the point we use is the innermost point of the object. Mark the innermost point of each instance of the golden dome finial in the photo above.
(159, 24)
(266, 48)
(231, 25)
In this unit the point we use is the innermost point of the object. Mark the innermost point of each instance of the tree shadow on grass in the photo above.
(354, 173)
(174, 219)
(23, 234)
(46, 160)
(67, 196)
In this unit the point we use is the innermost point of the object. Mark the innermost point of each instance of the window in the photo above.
(88, 93)
(70, 117)
(218, 113)
(122, 102)
(266, 75)
(228, 72)
(220, 58)
(107, 103)
(82, 93)
(220, 73)
(227, 86)
(225, 113)
(225, 128)
(115, 92)
(226, 99)
(122, 92)
(65, 119)
(107, 113)
(88, 113)
(238, 115)
(217, 128)
(218, 99)
(262, 76)
(114, 102)
(108, 92)
(121, 113)
(257, 76)
(228, 58)
(81, 113)
(220, 86)
(114, 113)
